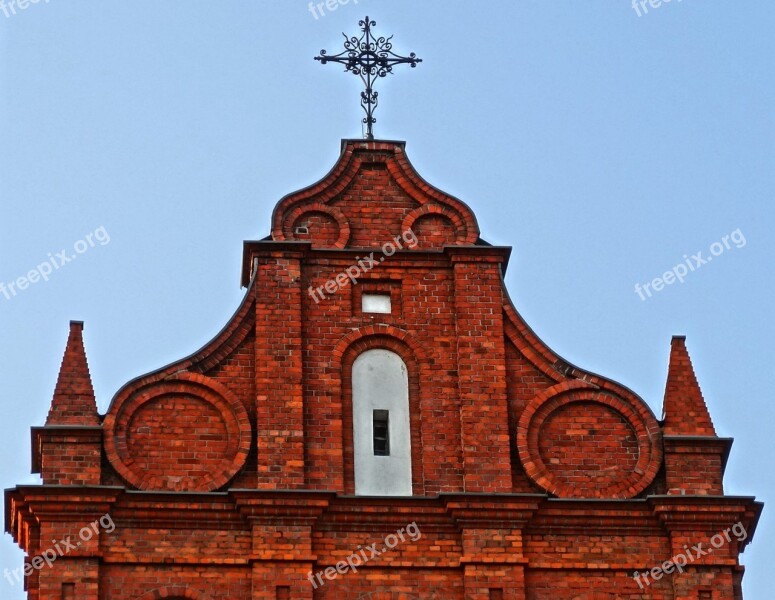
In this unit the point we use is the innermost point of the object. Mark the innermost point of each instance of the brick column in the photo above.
(707, 534)
(493, 552)
(481, 369)
(67, 454)
(282, 555)
(695, 465)
(279, 397)
(66, 544)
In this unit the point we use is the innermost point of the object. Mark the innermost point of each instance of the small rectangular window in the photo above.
(376, 303)
(381, 433)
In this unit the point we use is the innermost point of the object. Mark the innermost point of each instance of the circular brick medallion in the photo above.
(318, 227)
(584, 443)
(436, 226)
(320, 224)
(434, 231)
(189, 433)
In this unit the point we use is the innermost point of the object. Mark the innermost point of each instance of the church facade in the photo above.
(377, 421)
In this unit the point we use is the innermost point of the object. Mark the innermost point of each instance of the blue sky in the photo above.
(602, 145)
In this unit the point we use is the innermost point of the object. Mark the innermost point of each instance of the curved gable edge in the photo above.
(347, 167)
(551, 364)
(214, 352)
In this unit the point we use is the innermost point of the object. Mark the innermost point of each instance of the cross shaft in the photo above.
(370, 57)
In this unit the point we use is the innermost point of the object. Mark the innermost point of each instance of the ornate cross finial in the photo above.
(371, 58)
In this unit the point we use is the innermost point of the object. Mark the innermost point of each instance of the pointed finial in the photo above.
(74, 402)
(685, 411)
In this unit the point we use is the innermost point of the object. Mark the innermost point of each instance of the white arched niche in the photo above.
(381, 433)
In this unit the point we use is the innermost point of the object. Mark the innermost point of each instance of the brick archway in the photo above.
(416, 360)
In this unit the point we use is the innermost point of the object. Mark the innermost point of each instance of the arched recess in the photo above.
(333, 213)
(382, 447)
(400, 342)
(447, 224)
(175, 592)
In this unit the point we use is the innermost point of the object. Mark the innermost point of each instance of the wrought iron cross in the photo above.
(369, 57)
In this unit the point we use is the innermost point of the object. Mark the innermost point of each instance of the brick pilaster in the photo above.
(279, 395)
(481, 370)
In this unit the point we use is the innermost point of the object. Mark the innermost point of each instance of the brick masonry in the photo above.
(229, 474)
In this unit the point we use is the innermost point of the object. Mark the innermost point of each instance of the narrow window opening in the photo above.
(381, 433)
(382, 440)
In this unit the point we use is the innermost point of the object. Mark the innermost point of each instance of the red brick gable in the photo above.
(230, 474)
